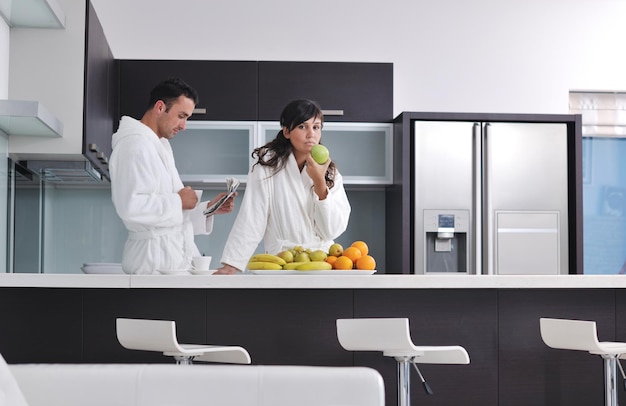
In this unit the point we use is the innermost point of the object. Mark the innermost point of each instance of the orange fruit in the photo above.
(362, 246)
(331, 259)
(353, 253)
(366, 262)
(343, 262)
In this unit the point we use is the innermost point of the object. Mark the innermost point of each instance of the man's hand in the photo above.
(228, 205)
(188, 197)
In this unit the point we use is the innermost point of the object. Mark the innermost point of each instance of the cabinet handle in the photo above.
(101, 157)
(199, 110)
(332, 112)
(93, 147)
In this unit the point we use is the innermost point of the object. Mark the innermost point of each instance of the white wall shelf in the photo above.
(30, 118)
(32, 13)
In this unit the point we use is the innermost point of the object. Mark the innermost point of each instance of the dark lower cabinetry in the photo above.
(530, 373)
(41, 325)
(510, 365)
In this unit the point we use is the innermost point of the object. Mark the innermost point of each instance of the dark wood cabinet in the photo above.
(100, 95)
(227, 89)
(41, 325)
(509, 363)
(362, 91)
(251, 90)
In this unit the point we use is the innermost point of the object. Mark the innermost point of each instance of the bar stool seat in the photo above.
(160, 336)
(392, 337)
(582, 335)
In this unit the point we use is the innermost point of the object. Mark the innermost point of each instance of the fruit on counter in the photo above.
(356, 256)
(320, 153)
(343, 262)
(286, 255)
(302, 257)
(366, 262)
(336, 249)
(275, 259)
(361, 246)
(314, 266)
(260, 265)
(292, 265)
(318, 255)
(331, 259)
(353, 253)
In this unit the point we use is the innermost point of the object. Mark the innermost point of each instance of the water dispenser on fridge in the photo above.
(446, 239)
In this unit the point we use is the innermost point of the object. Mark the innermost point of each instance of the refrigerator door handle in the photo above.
(476, 227)
(487, 237)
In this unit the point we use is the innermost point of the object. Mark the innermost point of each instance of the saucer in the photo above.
(201, 271)
(173, 271)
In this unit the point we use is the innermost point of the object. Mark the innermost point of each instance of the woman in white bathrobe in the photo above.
(161, 215)
(290, 200)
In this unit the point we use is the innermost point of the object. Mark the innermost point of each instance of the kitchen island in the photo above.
(309, 281)
(290, 319)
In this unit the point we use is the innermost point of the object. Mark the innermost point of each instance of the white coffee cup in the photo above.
(198, 194)
(201, 263)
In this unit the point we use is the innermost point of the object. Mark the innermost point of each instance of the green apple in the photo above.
(320, 154)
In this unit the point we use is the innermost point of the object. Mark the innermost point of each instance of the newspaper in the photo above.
(231, 186)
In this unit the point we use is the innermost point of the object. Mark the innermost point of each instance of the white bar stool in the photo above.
(160, 335)
(583, 336)
(393, 338)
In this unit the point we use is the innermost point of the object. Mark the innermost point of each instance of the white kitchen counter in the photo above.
(314, 281)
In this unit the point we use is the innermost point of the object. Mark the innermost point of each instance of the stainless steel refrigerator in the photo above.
(490, 197)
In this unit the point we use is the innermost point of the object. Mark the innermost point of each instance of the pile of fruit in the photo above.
(356, 256)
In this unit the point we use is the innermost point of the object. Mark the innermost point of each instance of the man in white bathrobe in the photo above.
(161, 215)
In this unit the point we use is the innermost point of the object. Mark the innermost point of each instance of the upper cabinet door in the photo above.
(227, 89)
(100, 96)
(357, 92)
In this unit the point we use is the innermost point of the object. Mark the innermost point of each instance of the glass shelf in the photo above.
(32, 13)
(31, 118)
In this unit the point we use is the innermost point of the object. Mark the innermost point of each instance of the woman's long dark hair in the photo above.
(274, 154)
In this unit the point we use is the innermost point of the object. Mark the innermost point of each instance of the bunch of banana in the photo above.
(265, 261)
(313, 266)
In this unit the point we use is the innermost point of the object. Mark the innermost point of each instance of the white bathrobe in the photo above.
(284, 211)
(144, 189)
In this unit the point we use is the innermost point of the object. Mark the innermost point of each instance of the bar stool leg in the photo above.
(610, 379)
(404, 382)
(183, 360)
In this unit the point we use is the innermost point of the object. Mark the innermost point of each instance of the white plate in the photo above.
(202, 271)
(107, 264)
(320, 272)
(173, 271)
(103, 269)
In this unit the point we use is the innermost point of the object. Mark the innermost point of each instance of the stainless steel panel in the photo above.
(525, 169)
(527, 243)
(444, 169)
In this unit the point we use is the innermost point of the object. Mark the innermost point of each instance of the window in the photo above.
(604, 179)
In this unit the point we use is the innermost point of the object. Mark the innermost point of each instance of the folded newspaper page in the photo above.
(231, 186)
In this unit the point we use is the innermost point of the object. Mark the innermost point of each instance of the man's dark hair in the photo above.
(171, 89)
